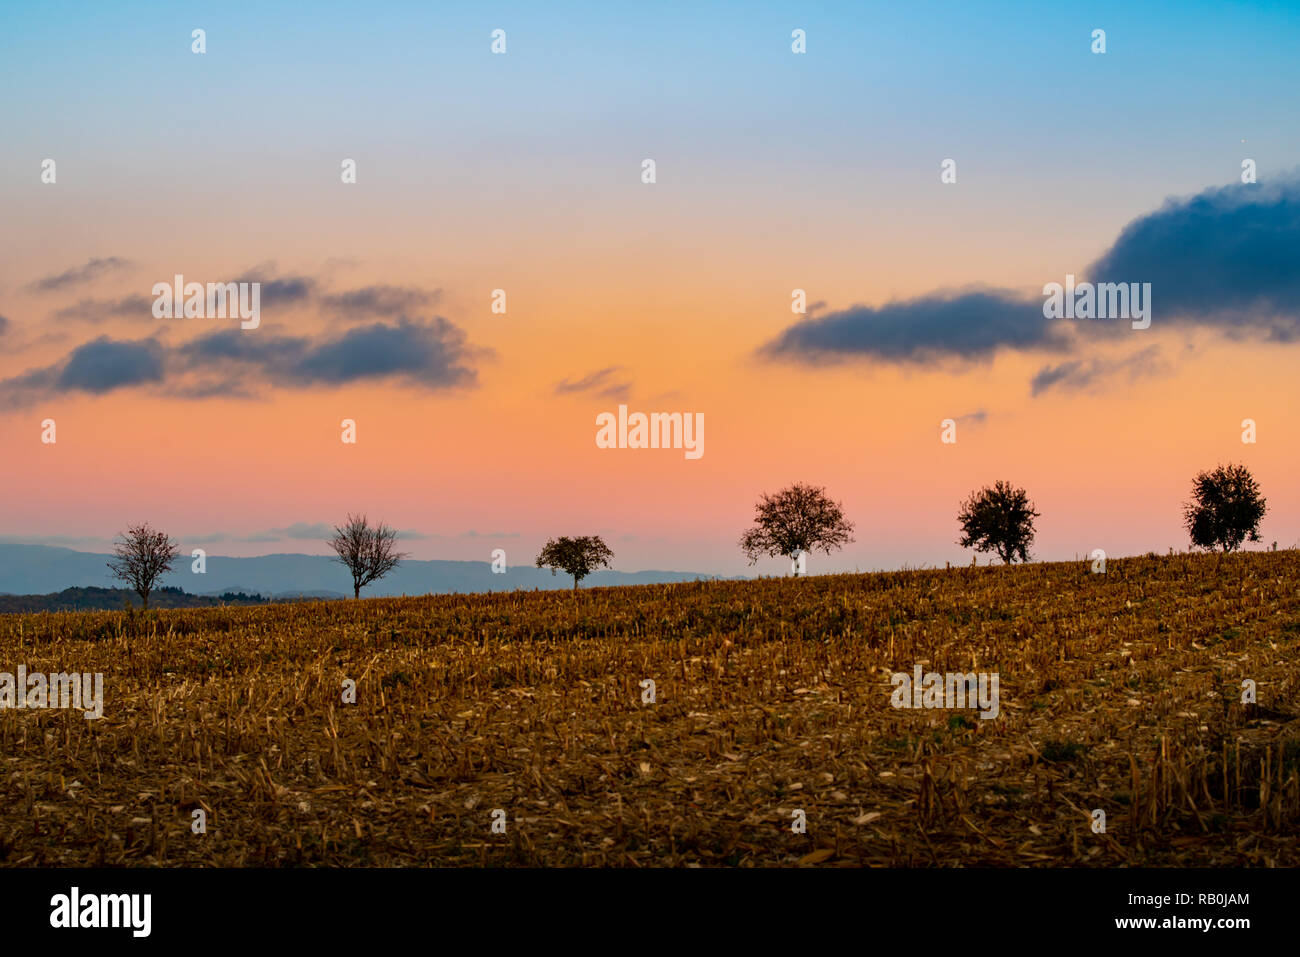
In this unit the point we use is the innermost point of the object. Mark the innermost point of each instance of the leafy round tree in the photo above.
(142, 557)
(998, 518)
(800, 518)
(1226, 508)
(578, 557)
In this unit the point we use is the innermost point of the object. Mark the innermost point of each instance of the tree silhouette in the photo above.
(800, 518)
(368, 553)
(1226, 508)
(998, 518)
(578, 557)
(142, 557)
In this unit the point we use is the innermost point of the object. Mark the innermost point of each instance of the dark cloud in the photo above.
(432, 354)
(378, 301)
(96, 367)
(276, 292)
(1225, 257)
(978, 417)
(97, 310)
(105, 364)
(1082, 374)
(78, 274)
(4, 324)
(286, 291)
(600, 382)
(237, 363)
(969, 325)
(428, 354)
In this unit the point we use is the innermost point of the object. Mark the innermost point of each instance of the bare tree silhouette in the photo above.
(142, 557)
(368, 553)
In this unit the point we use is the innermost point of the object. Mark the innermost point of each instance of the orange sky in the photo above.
(522, 172)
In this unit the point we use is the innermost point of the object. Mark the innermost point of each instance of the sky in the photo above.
(523, 171)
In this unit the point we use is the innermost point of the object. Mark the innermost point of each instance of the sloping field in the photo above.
(1119, 692)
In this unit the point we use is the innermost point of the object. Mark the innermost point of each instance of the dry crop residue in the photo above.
(1118, 691)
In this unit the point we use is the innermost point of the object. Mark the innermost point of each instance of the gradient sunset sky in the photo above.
(775, 171)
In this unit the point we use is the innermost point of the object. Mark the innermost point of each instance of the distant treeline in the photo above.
(117, 599)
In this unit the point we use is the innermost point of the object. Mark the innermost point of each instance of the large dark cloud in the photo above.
(968, 325)
(1224, 258)
(433, 354)
(104, 365)
(237, 363)
(78, 274)
(427, 354)
(96, 367)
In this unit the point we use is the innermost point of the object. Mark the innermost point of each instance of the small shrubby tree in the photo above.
(998, 518)
(368, 553)
(800, 518)
(578, 557)
(1226, 508)
(142, 557)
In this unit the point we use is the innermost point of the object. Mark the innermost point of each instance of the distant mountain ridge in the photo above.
(45, 569)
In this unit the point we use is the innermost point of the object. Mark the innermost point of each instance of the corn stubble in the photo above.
(1119, 691)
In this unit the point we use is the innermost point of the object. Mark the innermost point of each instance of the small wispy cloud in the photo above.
(77, 275)
(97, 310)
(1079, 375)
(600, 382)
(303, 530)
(379, 301)
(64, 541)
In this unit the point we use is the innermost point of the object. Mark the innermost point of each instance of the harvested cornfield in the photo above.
(1119, 692)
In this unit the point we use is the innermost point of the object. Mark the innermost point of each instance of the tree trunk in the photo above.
(575, 582)
(356, 592)
(144, 597)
